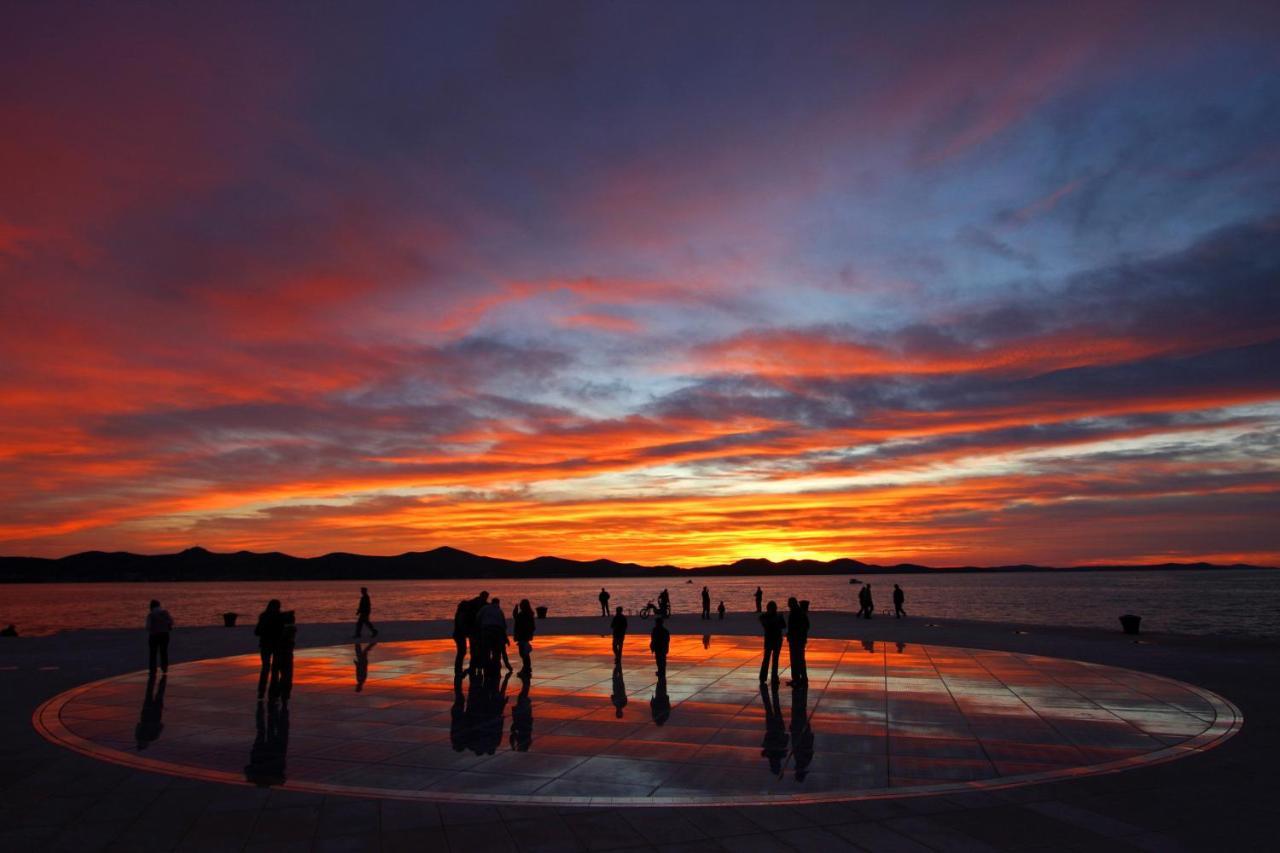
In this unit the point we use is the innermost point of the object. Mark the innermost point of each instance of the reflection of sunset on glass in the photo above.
(977, 286)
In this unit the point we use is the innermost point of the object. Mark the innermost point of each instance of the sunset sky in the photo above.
(661, 282)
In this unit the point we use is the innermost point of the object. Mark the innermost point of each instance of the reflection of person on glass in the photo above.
(659, 644)
(362, 664)
(522, 719)
(619, 695)
(486, 713)
(619, 626)
(801, 731)
(149, 722)
(774, 746)
(267, 631)
(458, 717)
(660, 704)
(267, 757)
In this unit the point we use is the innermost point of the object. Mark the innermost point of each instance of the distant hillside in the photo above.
(198, 564)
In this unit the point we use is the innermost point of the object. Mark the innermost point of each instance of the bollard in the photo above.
(1130, 623)
(229, 619)
(542, 612)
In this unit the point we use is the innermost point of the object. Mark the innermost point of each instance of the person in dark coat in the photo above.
(523, 630)
(604, 601)
(362, 613)
(474, 637)
(619, 626)
(797, 638)
(462, 619)
(774, 625)
(706, 603)
(282, 662)
(720, 610)
(270, 624)
(759, 596)
(660, 644)
(159, 625)
(899, 599)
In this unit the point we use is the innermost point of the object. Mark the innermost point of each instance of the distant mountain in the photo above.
(199, 564)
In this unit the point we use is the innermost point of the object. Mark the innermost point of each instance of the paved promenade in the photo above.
(53, 798)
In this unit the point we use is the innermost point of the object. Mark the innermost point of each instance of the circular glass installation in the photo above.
(875, 720)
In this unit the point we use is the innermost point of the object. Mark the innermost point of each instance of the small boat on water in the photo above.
(854, 580)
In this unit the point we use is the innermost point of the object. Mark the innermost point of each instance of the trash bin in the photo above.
(1130, 623)
(542, 612)
(229, 619)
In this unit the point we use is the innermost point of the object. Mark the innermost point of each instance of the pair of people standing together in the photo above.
(796, 631)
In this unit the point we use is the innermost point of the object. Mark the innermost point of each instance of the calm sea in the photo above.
(1187, 602)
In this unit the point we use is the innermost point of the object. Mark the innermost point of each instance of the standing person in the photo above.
(797, 637)
(493, 633)
(159, 624)
(773, 625)
(664, 602)
(474, 636)
(660, 644)
(759, 598)
(282, 664)
(871, 605)
(899, 598)
(604, 601)
(462, 619)
(862, 603)
(706, 603)
(524, 627)
(270, 624)
(619, 626)
(363, 611)
(720, 610)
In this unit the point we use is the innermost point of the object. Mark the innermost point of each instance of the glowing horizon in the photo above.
(935, 285)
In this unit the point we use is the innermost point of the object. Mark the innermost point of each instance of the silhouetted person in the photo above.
(706, 603)
(282, 664)
(797, 638)
(866, 607)
(159, 624)
(773, 624)
(664, 602)
(150, 721)
(720, 610)
(660, 704)
(270, 624)
(270, 746)
(462, 619)
(619, 695)
(759, 596)
(476, 662)
(871, 604)
(660, 644)
(522, 719)
(523, 628)
(493, 633)
(362, 664)
(899, 598)
(362, 612)
(774, 746)
(604, 601)
(801, 731)
(619, 626)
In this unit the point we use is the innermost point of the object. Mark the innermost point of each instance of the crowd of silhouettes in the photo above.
(481, 638)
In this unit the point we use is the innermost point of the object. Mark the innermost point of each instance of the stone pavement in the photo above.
(52, 798)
